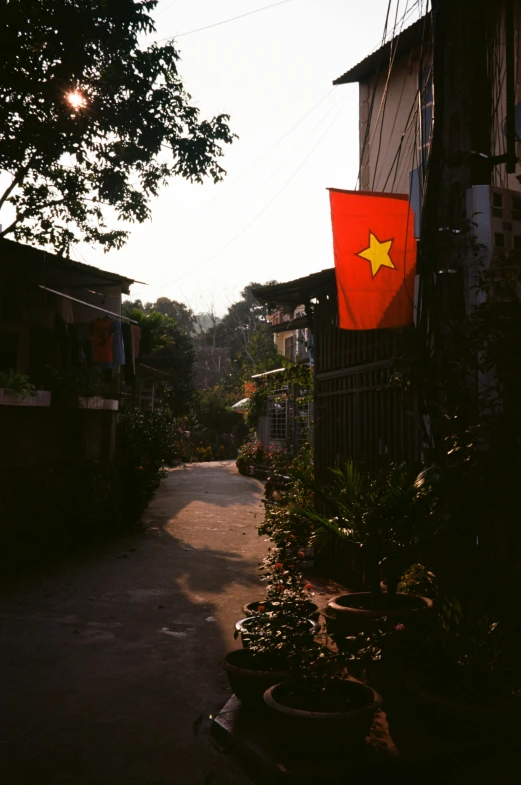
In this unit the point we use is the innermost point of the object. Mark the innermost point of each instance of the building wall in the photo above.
(298, 338)
(399, 115)
(396, 116)
(27, 314)
(46, 437)
(500, 176)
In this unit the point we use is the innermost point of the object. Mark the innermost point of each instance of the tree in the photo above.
(211, 410)
(177, 311)
(244, 330)
(91, 124)
(206, 324)
(165, 346)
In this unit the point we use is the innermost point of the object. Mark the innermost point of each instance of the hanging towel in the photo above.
(128, 343)
(102, 332)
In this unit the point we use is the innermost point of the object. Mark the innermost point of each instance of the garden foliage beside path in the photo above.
(50, 511)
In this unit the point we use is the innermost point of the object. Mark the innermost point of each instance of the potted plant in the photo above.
(79, 388)
(279, 628)
(274, 630)
(285, 586)
(16, 390)
(468, 682)
(251, 453)
(381, 515)
(323, 703)
(270, 641)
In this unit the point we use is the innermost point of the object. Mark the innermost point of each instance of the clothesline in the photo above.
(89, 305)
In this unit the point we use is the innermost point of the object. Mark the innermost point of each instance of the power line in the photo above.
(406, 15)
(166, 7)
(224, 21)
(383, 102)
(373, 97)
(303, 141)
(273, 146)
(378, 175)
(261, 212)
(308, 135)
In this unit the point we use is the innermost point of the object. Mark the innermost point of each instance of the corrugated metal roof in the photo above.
(407, 40)
(298, 291)
(10, 249)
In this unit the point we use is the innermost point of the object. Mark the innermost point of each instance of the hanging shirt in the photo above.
(64, 308)
(128, 343)
(136, 337)
(102, 332)
(118, 349)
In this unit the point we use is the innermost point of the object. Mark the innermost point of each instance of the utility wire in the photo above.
(166, 7)
(268, 151)
(303, 141)
(368, 142)
(258, 215)
(415, 99)
(373, 97)
(383, 103)
(224, 21)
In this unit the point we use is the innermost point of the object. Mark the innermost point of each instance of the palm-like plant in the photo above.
(378, 513)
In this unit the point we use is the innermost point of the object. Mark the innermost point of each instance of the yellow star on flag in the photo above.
(377, 254)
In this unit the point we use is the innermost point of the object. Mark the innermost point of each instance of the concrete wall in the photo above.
(301, 338)
(399, 116)
(500, 177)
(392, 118)
(41, 436)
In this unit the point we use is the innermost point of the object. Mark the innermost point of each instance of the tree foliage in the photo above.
(177, 311)
(168, 348)
(245, 331)
(211, 410)
(89, 120)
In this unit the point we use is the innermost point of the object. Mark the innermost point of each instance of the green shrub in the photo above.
(145, 442)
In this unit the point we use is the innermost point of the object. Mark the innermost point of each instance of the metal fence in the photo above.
(287, 421)
(359, 413)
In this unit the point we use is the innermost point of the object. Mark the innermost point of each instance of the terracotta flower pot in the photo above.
(480, 717)
(309, 609)
(352, 613)
(246, 628)
(250, 675)
(313, 733)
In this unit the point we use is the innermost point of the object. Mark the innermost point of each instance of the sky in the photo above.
(269, 218)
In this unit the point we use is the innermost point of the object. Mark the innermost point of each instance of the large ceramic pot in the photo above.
(450, 715)
(349, 614)
(308, 609)
(310, 730)
(251, 675)
(247, 629)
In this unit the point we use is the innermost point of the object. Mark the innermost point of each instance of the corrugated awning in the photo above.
(297, 292)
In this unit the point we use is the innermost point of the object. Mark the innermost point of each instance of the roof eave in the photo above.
(403, 43)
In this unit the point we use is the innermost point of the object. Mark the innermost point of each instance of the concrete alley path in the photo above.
(111, 667)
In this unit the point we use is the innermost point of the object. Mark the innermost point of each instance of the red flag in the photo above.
(375, 258)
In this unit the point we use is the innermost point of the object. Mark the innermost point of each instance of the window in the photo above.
(289, 347)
